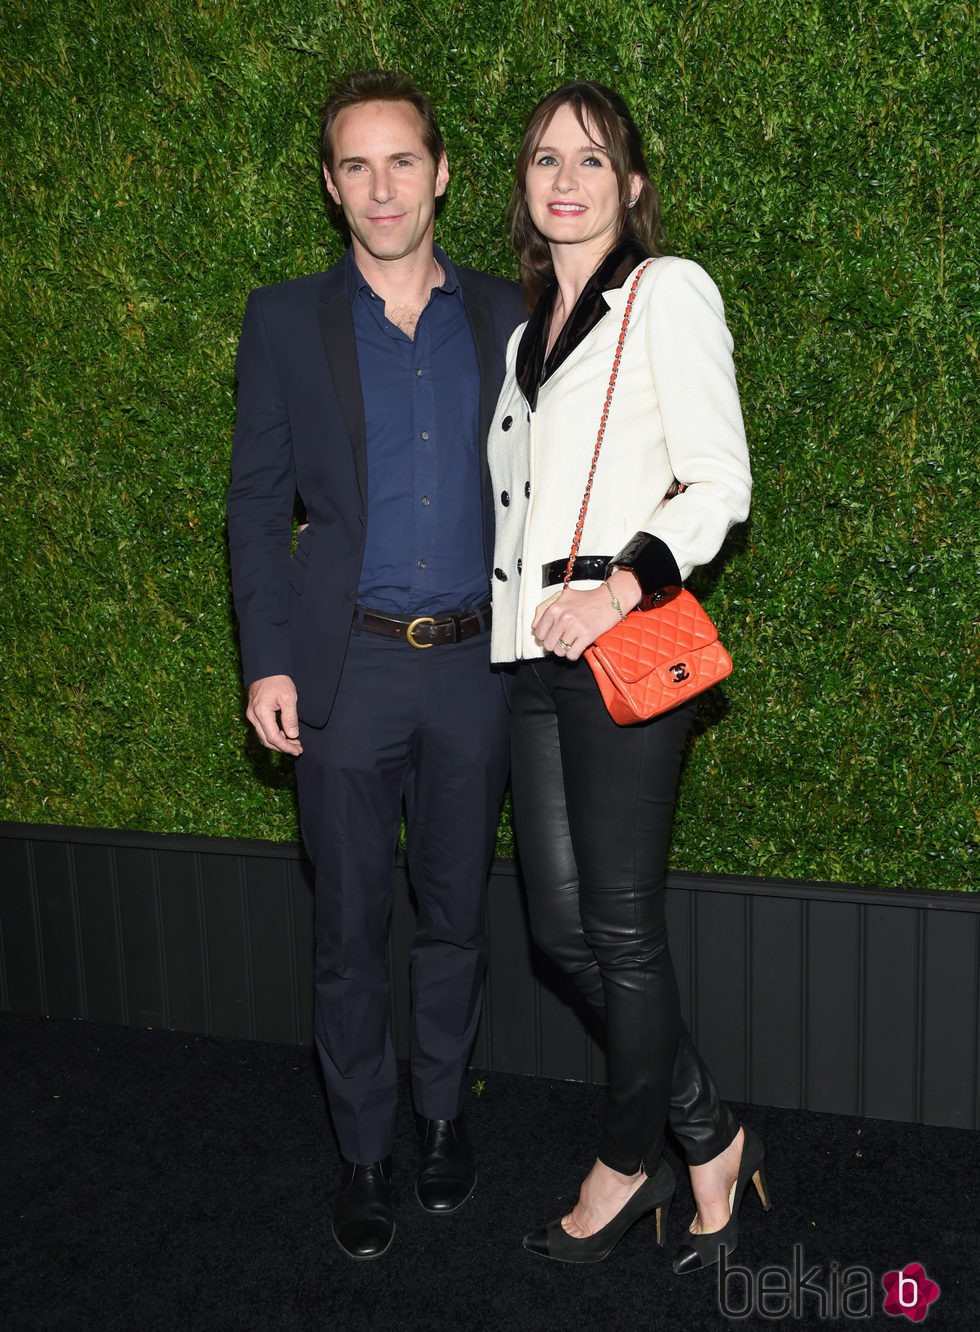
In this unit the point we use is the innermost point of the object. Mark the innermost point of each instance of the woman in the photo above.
(593, 801)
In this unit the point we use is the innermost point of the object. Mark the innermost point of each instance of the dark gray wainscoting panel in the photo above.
(817, 996)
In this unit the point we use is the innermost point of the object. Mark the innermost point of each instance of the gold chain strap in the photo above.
(580, 525)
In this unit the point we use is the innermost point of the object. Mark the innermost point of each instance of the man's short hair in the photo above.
(377, 85)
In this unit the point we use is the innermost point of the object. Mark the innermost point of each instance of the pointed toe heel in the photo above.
(701, 1251)
(653, 1195)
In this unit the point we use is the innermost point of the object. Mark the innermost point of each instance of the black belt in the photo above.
(585, 566)
(425, 631)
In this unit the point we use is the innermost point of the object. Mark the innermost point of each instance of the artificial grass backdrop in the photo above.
(817, 158)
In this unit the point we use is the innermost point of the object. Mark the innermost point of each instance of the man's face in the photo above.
(384, 179)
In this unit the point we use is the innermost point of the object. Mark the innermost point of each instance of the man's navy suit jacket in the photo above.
(300, 429)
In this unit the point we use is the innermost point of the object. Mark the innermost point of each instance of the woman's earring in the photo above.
(632, 201)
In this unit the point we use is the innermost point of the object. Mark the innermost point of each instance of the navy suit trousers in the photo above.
(427, 729)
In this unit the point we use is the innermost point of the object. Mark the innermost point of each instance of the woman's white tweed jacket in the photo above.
(675, 415)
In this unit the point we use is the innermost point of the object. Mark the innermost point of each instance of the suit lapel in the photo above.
(481, 325)
(337, 331)
(490, 363)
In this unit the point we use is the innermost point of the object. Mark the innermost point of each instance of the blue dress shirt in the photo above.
(424, 548)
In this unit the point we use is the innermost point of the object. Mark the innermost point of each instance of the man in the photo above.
(367, 392)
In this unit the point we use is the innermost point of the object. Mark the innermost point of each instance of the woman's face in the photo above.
(572, 192)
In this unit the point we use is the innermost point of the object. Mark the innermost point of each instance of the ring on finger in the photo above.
(562, 644)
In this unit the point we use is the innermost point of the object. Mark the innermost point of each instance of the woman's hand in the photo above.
(570, 621)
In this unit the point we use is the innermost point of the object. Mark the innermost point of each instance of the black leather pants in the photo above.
(593, 808)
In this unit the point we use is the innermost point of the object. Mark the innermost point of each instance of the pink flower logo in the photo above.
(909, 1292)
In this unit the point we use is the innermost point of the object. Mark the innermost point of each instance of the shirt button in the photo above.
(527, 490)
(506, 423)
(425, 434)
(520, 566)
(421, 564)
(504, 498)
(425, 500)
(499, 573)
(418, 374)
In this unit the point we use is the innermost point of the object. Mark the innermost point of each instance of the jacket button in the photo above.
(527, 490)
(499, 573)
(504, 498)
(520, 566)
(506, 423)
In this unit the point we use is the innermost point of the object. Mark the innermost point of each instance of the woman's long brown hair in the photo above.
(605, 117)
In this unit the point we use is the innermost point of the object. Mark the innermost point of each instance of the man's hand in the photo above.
(272, 711)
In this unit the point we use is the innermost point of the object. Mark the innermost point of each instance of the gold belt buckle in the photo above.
(410, 631)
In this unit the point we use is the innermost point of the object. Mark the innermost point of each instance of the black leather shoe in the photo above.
(363, 1224)
(447, 1175)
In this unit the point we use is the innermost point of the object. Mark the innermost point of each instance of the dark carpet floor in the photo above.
(153, 1179)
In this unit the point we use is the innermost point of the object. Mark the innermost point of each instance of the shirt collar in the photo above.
(357, 282)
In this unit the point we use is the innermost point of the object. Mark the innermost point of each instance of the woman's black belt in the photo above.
(585, 566)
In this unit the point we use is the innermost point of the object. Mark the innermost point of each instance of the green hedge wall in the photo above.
(817, 157)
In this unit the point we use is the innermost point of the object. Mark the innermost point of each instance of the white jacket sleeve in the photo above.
(690, 355)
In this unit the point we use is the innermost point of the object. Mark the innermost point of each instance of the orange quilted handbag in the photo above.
(656, 659)
(652, 660)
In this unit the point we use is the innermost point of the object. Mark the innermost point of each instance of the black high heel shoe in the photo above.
(700, 1251)
(653, 1195)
